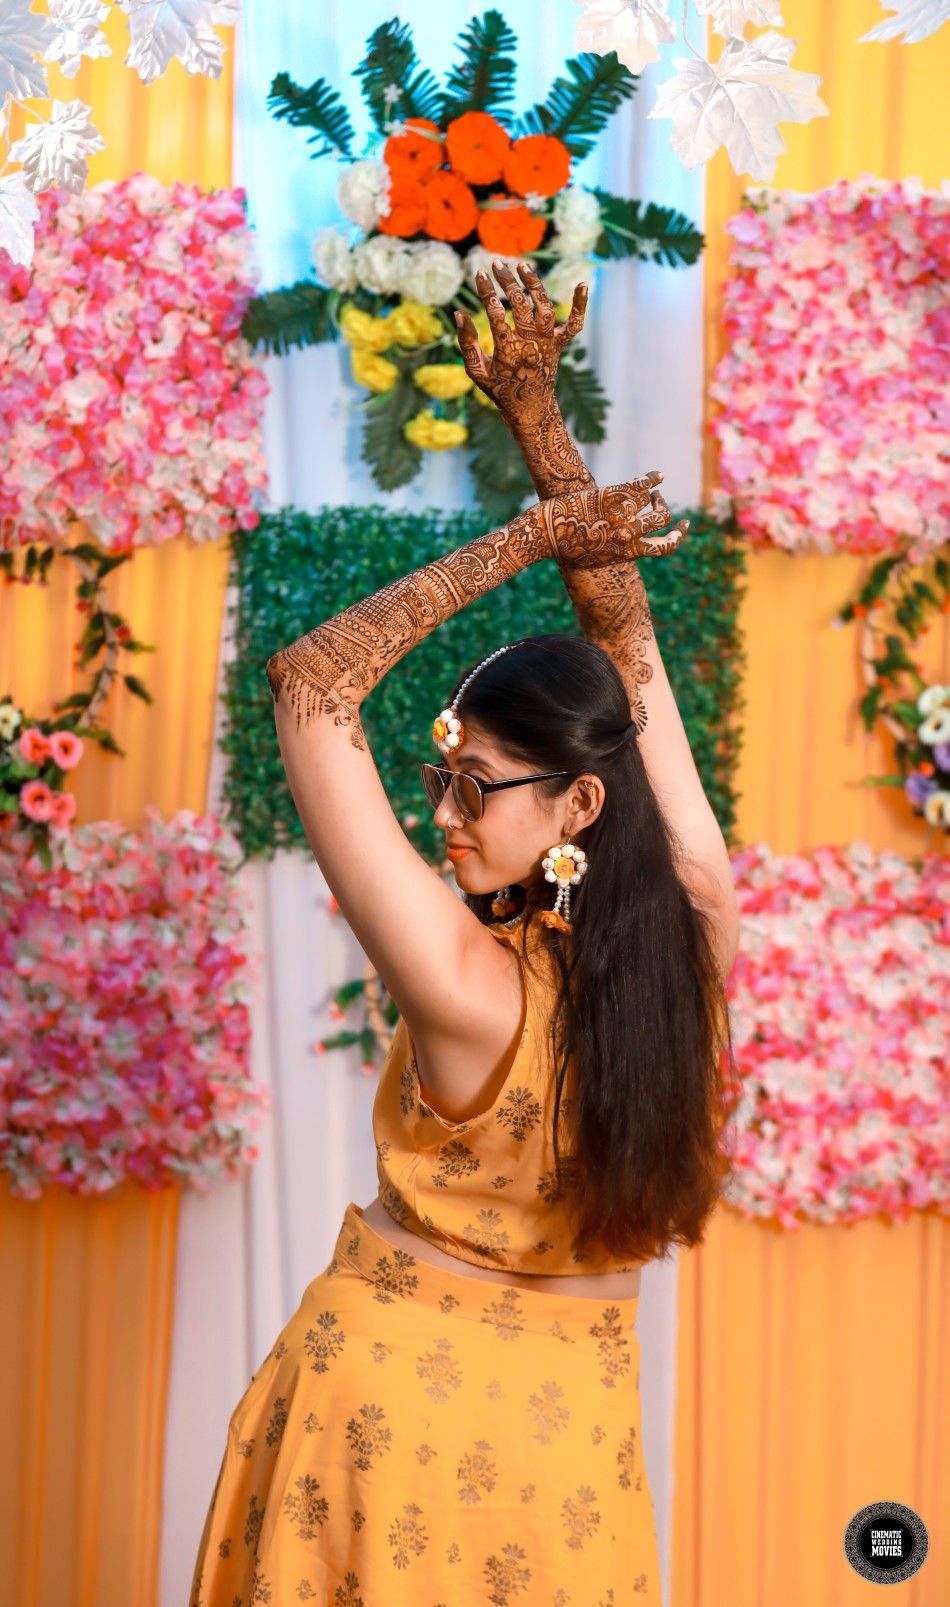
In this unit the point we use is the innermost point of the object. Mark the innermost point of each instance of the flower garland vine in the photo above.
(920, 723)
(35, 752)
(449, 180)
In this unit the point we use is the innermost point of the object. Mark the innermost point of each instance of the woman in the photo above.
(452, 1415)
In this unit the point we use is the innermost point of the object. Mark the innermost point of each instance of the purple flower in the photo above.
(941, 753)
(918, 787)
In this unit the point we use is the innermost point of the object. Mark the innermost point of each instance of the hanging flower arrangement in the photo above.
(452, 178)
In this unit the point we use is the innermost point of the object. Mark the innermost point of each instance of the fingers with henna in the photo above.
(492, 305)
(520, 304)
(543, 305)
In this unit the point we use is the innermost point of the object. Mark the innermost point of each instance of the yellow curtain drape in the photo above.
(812, 1368)
(88, 1285)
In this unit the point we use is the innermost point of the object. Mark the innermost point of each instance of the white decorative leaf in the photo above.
(23, 36)
(77, 33)
(915, 19)
(635, 29)
(738, 102)
(160, 30)
(729, 17)
(19, 215)
(54, 153)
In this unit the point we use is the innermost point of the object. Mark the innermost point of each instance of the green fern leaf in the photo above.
(318, 108)
(502, 481)
(393, 460)
(484, 79)
(579, 106)
(389, 61)
(582, 399)
(625, 228)
(297, 315)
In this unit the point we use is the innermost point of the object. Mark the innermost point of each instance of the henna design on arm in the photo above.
(331, 669)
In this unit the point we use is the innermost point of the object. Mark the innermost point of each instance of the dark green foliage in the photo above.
(499, 477)
(298, 315)
(393, 459)
(390, 59)
(580, 105)
(318, 108)
(625, 224)
(297, 569)
(484, 79)
(582, 398)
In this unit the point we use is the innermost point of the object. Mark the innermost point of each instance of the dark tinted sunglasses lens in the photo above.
(434, 784)
(468, 796)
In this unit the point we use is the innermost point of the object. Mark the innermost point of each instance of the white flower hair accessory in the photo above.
(448, 732)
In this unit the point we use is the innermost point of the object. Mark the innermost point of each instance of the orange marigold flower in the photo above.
(511, 231)
(451, 212)
(416, 151)
(539, 164)
(407, 210)
(477, 146)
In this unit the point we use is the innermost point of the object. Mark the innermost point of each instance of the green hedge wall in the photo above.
(297, 569)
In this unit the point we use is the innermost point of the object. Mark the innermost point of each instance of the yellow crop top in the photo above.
(484, 1190)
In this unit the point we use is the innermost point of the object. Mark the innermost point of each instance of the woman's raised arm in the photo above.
(610, 601)
(414, 929)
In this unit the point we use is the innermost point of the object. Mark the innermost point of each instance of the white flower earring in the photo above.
(567, 866)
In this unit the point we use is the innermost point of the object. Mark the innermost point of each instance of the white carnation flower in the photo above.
(431, 272)
(363, 192)
(379, 263)
(333, 260)
(576, 221)
(566, 275)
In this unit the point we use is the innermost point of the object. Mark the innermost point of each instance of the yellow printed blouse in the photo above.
(485, 1190)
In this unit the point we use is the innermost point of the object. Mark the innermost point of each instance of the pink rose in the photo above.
(34, 746)
(66, 749)
(36, 800)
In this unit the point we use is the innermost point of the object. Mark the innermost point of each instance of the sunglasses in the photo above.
(468, 792)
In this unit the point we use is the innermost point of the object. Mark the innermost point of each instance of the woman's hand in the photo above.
(520, 373)
(606, 525)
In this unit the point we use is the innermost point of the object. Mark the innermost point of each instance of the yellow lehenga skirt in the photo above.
(417, 1438)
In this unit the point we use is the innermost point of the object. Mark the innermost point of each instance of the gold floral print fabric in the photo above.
(421, 1438)
(485, 1190)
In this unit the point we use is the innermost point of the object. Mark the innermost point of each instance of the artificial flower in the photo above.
(936, 727)
(333, 260)
(375, 372)
(363, 191)
(434, 434)
(477, 146)
(415, 150)
(510, 229)
(407, 212)
(567, 273)
(937, 807)
(430, 272)
(538, 164)
(63, 809)
(444, 381)
(451, 211)
(36, 800)
(10, 719)
(378, 263)
(360, 328)
(409, 324)
(576, 219)
(66, 749)
(34, 746)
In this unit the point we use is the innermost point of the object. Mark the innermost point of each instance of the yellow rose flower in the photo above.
(362, 329)
(411, 324)
(373, 371)
(445, 381)
(434, 434)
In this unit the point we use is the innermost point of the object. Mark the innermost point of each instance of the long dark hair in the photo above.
(640, 1011)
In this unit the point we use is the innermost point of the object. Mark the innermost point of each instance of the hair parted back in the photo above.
(640, 1013)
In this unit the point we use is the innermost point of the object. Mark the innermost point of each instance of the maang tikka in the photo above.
(448, 732)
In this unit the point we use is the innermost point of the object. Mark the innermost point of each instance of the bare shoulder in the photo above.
(463, 1065)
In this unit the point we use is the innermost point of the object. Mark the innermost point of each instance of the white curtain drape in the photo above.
(247, 1252)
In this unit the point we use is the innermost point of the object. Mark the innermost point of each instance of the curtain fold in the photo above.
(812, 1369)
(89, 1285)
